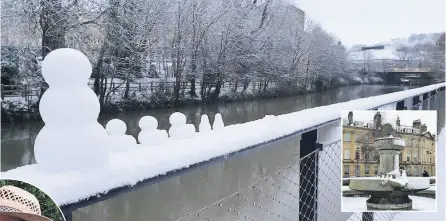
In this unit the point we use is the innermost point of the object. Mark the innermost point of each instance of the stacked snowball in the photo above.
(179, 128)
(72, 137)
(116, 130)
(149, 134)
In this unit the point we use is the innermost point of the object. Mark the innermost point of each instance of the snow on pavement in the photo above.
(140, 163)
(440, 214)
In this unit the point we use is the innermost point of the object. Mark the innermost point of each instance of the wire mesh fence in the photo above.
(295, 192)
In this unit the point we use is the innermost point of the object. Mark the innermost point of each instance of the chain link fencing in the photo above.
(289, 194)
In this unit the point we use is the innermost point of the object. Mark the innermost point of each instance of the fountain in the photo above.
(391, 188)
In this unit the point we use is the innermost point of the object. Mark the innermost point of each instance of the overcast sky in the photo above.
(375, 21)
(406, 117)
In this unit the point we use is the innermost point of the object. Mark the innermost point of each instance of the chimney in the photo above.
(416, 124)
(423, 128)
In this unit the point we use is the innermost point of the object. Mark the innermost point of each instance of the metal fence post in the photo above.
(367, 216)
(425, 96)
(308, 177)
(416, 100)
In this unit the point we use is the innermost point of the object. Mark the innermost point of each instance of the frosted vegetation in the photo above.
(188, 48)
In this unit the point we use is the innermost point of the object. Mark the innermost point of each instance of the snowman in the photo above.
(179, 128)
(204, 126)
(149, 134)
(218, 122)
(116, 131)
(72, 138)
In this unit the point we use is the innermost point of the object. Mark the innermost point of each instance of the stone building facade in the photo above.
(360, 159)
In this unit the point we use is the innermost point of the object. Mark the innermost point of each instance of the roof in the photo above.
(406, 70)
(428, 134)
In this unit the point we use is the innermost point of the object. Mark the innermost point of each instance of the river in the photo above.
(18, 138)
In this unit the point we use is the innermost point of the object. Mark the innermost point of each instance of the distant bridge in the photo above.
(407, 75)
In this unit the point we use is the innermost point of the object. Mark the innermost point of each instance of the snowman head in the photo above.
(177, 118)
(116, 127)
(204, 118)
(148, 123)
(66, 67)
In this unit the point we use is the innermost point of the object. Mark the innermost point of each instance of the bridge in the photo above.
(301, 177)
(407, 75)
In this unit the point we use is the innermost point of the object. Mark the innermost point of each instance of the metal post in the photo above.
(416, 100)
(3, 92)
(434, 92)
(367, 216)
(308, 177)
(400, 105)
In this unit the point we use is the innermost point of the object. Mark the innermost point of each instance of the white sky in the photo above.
(375, 21)
(406, 117)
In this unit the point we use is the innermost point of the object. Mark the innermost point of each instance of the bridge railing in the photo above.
(305, 185)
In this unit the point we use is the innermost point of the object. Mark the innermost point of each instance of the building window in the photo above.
(346, 154)
(347, 137)
(346, 170)
(415, 157)
(366, 139)
(408, 155)
(415, 172)
(357, 138)
(367, 169)
(376, 169)
(357, 170)
(408, 171)
(357, 154)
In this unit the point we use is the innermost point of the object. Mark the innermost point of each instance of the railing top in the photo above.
(157, 163)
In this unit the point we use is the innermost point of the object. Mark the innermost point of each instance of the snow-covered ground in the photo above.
(440, 214)
(140, 163)
(358, 204)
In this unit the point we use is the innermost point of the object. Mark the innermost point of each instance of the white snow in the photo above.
(137, 164)
(204, 126)
(418, 183)
(358, 204)
(119, 140)
(399, 142)
(179, 129)
(116, 127)
(218, 122)
(71, 138)
(149, 134)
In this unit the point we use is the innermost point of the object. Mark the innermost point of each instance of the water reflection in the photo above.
(18, 138)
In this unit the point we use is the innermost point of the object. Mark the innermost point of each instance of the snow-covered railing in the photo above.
(117, 172)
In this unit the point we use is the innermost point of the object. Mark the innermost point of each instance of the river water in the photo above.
(18, 138)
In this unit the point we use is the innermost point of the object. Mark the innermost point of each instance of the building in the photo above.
(361, 159)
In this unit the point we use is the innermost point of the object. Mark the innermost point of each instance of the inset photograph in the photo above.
(389, 160)
(21, 201)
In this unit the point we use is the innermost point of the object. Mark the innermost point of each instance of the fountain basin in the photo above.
(389, 194)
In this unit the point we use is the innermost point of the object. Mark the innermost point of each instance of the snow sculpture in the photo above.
(72, 138)
(204, 126)
(404, 174)
(149, 134)
(179, 128)
(116, 130)
(218, 122)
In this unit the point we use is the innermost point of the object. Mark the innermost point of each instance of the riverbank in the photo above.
(16, 109)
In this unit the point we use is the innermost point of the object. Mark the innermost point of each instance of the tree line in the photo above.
(206, 41)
